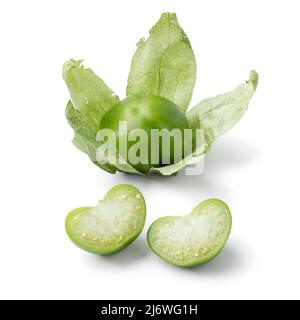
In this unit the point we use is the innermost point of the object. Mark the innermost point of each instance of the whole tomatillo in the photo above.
(152, 114)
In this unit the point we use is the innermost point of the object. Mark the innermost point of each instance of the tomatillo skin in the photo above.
(193, 239)
(110, 226)
(146, 112)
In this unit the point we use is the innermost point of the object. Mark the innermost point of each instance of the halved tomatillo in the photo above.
(112, 224)
(193, 239)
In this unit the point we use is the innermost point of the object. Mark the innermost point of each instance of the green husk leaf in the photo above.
(219, 114)
(84, 138)
(91, 98)
(164, 64)
(215, 116)
(172, 169)
(89, 94)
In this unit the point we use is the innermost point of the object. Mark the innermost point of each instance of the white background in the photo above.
(254, 167)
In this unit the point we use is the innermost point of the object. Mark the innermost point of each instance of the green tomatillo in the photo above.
(161, 77)
(155, 118)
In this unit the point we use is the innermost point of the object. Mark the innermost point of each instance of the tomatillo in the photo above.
(110, 226)
(147, 113)
(193, 239)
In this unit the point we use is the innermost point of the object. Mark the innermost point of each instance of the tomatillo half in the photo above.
(147, 113)
(193, 239)
(110, 226)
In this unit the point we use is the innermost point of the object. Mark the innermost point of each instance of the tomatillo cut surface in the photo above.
(193, 239)
(146, 112)
(112, 224)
